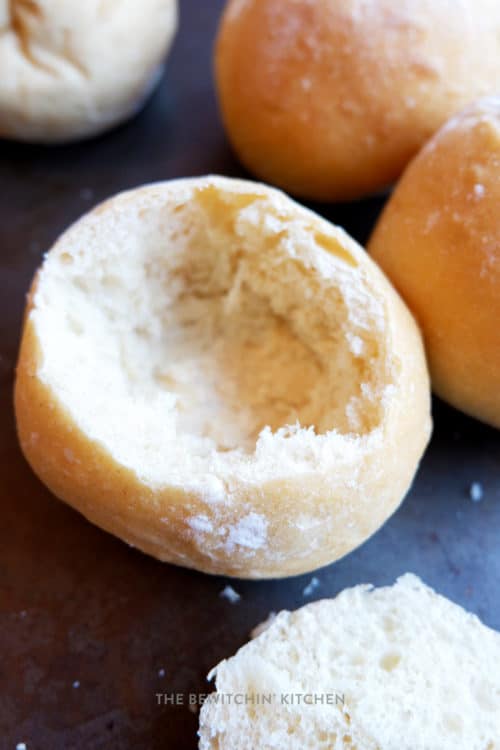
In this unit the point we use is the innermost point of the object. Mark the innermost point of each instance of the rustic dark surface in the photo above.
(77, 604)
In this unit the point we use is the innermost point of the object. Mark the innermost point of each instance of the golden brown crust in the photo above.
(438, 240)
(158, 520)
(330, 100)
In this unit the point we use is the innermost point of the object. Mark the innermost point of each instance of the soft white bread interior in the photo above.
(73, 68)
(406, 669)
(221, 378)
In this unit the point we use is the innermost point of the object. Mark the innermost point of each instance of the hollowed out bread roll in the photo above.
(439, 241)
(73, 68)
(330, 99)
(373, 669)
(221, 378)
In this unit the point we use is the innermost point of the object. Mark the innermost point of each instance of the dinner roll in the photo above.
(439, 241)
(74, 68)
(330, 100)
(221, 378)
(373, 669)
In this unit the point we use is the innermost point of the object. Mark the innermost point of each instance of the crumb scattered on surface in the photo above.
(161, 672)
(230, 594)
(76, 684)
(311, 586)
(21, 746)
(476, 492)
(479, 190)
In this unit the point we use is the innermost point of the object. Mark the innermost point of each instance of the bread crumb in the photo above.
(161, 672)
(76, 684)
(476, 492)
(311, 586)
(479, 190)
(21, 746)
(230, 594)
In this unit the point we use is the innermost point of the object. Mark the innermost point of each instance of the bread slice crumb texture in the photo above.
(409, 669)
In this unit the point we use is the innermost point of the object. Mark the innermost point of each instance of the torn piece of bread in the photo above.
(221, 378)
(74, 68)
(394, 668)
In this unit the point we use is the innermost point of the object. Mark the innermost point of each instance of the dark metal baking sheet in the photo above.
(86, 624)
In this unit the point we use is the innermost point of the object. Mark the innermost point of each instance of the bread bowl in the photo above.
(373, 669)
(438, 239)
(330, 100)
(74, 69)
(221, 378)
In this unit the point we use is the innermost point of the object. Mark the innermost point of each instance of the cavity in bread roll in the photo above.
(439, 241)
(330, 100)
(373, 669)
(221, 378)
(74, 68)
